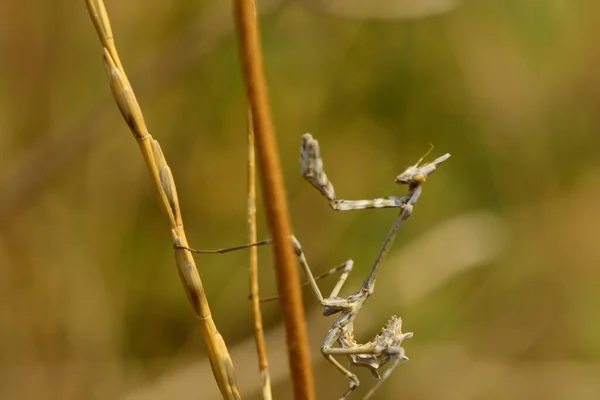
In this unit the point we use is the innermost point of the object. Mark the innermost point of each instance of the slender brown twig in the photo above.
(288, 282)
(259, 335)
(164, 184)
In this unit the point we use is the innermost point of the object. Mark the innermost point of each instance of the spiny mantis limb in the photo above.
(346, 267)
(385, 347)
(311, 166)
(227, 249)
(332, 302)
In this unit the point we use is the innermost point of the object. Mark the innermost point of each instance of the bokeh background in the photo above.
(497, 273)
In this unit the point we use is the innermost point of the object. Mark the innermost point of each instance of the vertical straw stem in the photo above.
(259, 335)
(288, 282)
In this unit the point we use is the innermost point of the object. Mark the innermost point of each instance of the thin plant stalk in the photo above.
(162, 179)
(288, 282)
(259, 335)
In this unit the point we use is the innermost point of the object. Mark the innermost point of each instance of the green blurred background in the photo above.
(496, 273)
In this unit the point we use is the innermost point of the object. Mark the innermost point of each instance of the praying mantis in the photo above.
(339, 340)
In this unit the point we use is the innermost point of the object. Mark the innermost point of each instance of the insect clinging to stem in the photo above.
(339, 340)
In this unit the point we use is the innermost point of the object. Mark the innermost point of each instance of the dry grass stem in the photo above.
(164, 184)
(259, 335)
(32, 172)
(288, 282)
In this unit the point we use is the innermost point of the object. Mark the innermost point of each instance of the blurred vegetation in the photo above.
(502, 253)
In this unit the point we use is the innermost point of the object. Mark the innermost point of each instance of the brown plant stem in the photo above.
(288, 282)
(259, 334)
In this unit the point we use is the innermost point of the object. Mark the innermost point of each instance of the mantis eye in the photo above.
(418, 178)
